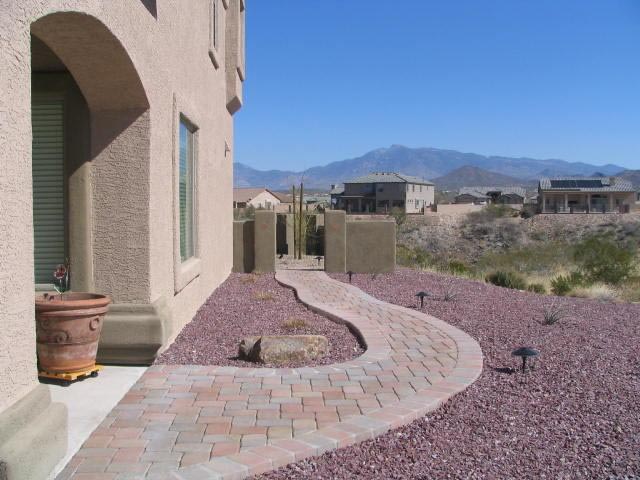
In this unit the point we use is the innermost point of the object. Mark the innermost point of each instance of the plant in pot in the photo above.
(68, 326)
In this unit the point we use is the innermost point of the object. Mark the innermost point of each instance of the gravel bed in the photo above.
(253, 305)
(576, 415)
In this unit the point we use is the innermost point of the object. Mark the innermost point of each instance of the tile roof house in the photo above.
(501, 195)
(585, 195)
(381, 192)
(255, 197)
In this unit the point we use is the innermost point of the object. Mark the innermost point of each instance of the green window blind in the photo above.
(48, 185)
(186, 192)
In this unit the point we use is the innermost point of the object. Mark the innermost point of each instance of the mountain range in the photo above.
(471, 176)
(428, 163)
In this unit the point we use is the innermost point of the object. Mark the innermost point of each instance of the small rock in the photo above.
(283, 348)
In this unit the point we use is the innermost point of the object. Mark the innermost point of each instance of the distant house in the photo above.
(585, 195)
(498, 195)
(381, 192)
(255, 197)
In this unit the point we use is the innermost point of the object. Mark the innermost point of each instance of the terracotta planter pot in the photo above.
(68, 330)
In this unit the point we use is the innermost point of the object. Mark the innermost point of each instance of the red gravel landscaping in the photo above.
(576, 415)
(253, 305)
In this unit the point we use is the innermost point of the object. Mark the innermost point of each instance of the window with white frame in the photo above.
(186, 189)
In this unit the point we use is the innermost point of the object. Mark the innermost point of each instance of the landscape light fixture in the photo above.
(350, 273)
(318, 258)
(421, 296)
(524, 353)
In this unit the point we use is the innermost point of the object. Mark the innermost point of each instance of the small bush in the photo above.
(561, 285)
(602, 260)
(630, 290)
(490, 213)
(507, 280)
(450, 295)
(553, 315)
(293, 323)
(399, 215)
(412, 257)
(457, 267)
(537, 288)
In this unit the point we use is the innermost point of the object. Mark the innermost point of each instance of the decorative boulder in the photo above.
(276, 349)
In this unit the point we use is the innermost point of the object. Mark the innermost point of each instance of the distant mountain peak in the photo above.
(428, 163)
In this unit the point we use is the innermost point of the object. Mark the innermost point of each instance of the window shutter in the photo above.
(48, 186)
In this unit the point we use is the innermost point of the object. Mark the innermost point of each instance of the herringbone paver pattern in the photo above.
(191, 422)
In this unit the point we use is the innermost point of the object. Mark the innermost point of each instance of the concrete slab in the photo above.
(89, 401)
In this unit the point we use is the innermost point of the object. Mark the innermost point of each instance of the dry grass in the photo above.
(293, 323)
(264, 296)
(630, 291)
(251, 278)
(597, 291)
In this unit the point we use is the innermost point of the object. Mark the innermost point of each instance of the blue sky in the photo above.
(333, 79)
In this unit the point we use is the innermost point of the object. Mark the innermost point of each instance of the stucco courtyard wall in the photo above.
(168, 55)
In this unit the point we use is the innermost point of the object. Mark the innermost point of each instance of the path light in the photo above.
(318, 258)
(421, 296)
(525, 352)
(349, 273)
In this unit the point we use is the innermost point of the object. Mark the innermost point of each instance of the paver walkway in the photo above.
(204, 422)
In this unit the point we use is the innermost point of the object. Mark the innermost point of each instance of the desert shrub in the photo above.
(544, 258)
(553, 314)
(450, 295)
(457, 267)
(490, 213)
(561, 285)
(630, 290)
(602, 260)
(412, 257)
(399, 215)
(507, 279)
(537, 288)
(598, 291)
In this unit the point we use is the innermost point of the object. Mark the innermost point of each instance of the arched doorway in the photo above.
(91, 157)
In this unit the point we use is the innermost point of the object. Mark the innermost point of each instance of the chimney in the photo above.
(333, 186)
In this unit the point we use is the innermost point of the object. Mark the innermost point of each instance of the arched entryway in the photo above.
(91, 157)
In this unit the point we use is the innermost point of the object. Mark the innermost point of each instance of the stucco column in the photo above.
(335, 241)
(265, 241)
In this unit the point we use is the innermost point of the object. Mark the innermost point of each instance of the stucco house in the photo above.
(116, 137)
(585, 195)
(255, 197)
(496, 195)
(381, 192)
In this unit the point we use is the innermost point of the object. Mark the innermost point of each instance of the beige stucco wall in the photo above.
(265, 200)
(132, 152)
(457, 208)
(425, 194)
